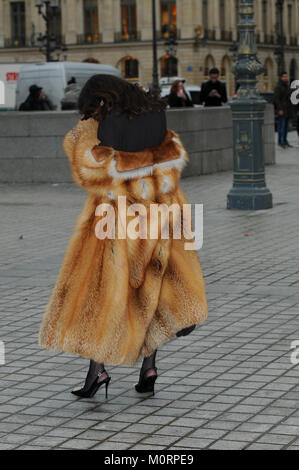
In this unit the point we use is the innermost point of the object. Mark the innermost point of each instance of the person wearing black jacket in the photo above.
(213, 92)
(178, 97)
(36, 101)
(283, 104)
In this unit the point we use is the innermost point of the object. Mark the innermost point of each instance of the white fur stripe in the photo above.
(177, 163)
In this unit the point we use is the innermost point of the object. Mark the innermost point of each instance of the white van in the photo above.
(9, 73)
(53, 78)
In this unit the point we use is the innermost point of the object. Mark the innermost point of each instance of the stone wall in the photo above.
(31, 143)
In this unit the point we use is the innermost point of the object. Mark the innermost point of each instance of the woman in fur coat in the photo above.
(118, 298)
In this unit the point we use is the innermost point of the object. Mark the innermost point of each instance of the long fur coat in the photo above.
(117, 300)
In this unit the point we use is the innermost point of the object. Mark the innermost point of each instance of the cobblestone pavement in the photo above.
(229, 385)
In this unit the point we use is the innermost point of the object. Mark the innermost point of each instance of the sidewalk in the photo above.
(229, 385)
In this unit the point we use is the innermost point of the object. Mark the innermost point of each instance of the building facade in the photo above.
(203, 34)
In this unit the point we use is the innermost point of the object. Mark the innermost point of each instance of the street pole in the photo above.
(281, 59)
(49, 12)
(249, 191)
(155, 84)
(48, 44)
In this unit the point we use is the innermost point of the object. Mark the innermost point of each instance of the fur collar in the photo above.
(98, 168)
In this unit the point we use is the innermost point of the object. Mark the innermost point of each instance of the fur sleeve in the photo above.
(87, 159)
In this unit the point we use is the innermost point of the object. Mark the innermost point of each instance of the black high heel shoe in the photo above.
(92, 390)
(146, 383)
(185, 331)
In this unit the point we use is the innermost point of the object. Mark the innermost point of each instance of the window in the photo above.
(17, 13)
(290, 18)
(265, 16)
(130, 68)
(128, 19)
(169, 66)
(237, 11)
(55, 24)
(222, 16)
(91, 21)
(205, 14)
(168, 19)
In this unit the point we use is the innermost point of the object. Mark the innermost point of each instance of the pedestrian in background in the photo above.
(36, 101)
(213, 92)
(178, 97)
(284, 107)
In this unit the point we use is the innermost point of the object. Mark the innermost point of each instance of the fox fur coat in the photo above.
(117, 300)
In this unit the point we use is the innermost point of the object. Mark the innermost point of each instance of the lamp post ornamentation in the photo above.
(48, 39)
(249, 191)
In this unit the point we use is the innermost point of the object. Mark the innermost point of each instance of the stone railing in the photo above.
(31, 143)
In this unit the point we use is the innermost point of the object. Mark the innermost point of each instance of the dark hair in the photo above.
(213, 71)
(72, 80)
(175, 86)
(283, 73)
(102, 93)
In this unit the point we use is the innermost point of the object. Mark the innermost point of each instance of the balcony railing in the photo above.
(293, 41)
(166, 33)
(89, 38)
(226, 36)
(15, 42)
(210, 34)
(130, 36)
(269, 39)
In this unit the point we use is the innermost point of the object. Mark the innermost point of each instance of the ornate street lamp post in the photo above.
(279, 52)
(155, 84)
(249, 191)
(47, 15)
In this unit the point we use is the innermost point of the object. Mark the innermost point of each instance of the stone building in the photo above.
(119, 32)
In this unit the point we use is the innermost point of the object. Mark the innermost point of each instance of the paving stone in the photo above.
(229, 385)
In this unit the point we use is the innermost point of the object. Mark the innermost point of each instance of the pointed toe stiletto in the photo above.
(92, 390)
(146, 382)
(185, 331)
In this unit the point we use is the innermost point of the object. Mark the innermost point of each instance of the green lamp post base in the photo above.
(249, 191)
(251, 199)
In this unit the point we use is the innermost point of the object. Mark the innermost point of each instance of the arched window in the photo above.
(130, 68)
(209, 64)
(169, 66)
(91, 60)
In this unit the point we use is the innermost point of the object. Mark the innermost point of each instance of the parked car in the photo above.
(54, 76)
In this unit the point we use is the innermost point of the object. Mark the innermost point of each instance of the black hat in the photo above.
(34, 89)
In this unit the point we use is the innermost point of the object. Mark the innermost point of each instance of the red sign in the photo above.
(12, 76)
